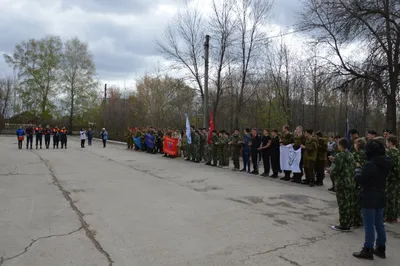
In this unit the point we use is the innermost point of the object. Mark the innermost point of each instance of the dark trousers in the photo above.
(47, 141)
(275, 163)
(320, 169)
(373, 221)
(246, 160)
(104, 143)
(254, 159)
(309, 168)
(19, 144)
(63, 142)
(89, 140)
(266, 161)
(39, 139)
(82, 143)
(56, 140)
(297, 176)
(29, 139)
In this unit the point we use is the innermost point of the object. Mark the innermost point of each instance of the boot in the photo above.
(286, 177)
(365, 253)
(208, 163)
(380, 252)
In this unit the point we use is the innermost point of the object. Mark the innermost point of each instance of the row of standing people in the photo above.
(59, 136)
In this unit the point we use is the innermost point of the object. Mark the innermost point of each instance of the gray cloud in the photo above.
(118, 6)
(120, 33)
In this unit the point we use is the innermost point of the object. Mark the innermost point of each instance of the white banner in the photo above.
(290, 159)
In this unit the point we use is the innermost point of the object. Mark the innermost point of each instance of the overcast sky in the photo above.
(120, 33)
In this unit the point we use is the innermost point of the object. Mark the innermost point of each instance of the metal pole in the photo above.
(206, 60)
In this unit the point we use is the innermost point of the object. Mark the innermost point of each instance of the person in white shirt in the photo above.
(83, 137)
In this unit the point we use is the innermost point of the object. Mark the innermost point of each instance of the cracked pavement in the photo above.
(112, 206)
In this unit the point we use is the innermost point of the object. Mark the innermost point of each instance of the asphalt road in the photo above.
(112, 206)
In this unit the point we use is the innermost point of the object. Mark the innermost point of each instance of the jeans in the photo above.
(254, 159)
(246, 160)
(373, 220)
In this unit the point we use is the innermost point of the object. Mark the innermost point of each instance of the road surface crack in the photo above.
(2, 259)
(290, 261)
(85, 226)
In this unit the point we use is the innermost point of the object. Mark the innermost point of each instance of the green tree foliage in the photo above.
(37, 62)
(78, 79)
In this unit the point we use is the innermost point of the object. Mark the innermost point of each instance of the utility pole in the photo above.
(206, 60)
(105, 93)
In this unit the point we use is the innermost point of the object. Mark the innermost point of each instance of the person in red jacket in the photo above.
(47, 133)
(56, 137)
(39, 135)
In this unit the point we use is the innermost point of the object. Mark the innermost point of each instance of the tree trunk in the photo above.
(391, 121)
(71, 114)
(365, 111)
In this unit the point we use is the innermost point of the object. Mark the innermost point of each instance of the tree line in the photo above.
(346, 69)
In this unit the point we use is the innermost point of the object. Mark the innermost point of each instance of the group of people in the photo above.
(364, 170)
(217, 148)
(59, 136)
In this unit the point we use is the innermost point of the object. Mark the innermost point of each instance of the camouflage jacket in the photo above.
(322, 153)
(342, 170)
(235, 142)
(311, 149)
(360, 157)
(298, 141)
(394, 174)
(196, 140)
(287, 139)
(214, 140)
(203, 139)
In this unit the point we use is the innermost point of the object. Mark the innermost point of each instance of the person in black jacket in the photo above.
(275, 153)
(255, 144)
(265, 152)
(372, 180)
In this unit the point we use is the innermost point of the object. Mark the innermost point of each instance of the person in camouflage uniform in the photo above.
(196, 147)
(221, 144)
(322, 155)
(287, 138)
(236, 144)
(129, 138)
(392, 210)
(189, 149)
(227, 149)
(203, 141)
(299, 140)
(359, 158)
(310, 157)
(184, 144)
(214, 149)
(342, 169)
(330, 158)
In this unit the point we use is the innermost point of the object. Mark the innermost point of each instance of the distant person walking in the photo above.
(104, 136)
(89, 135)
(83, 137)
(20, 136)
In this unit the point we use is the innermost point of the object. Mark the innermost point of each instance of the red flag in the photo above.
(171, 146)
(211, 128)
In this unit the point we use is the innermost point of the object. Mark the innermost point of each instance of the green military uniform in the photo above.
(221, 155)
(298, 141)
(322, 156)
(196, 148)
(286, 140)
(310, 158)
(227, 151)
(189, 147)
(214, 150)
(360, 158)
(343, 171)
(184, 146)
(235, 139)
(129, 139)
(392, 210)
(203, 141)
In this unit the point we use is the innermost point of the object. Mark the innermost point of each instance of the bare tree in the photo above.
(374, 25)
(252, 17)
(182, 44)
(222, 27)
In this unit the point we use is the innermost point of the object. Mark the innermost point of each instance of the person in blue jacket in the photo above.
(104, 136)
(20, 136)
(89, 135)
(246, 151)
